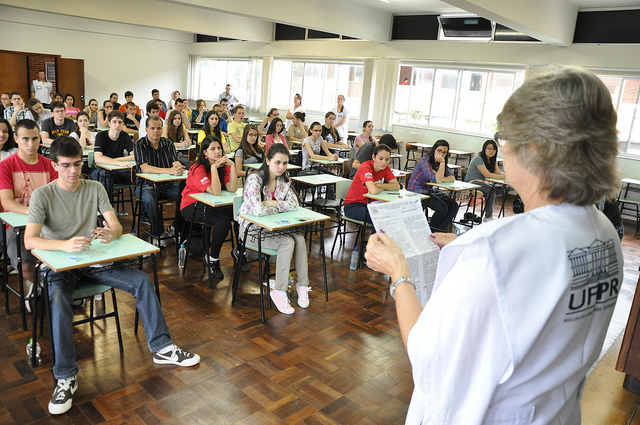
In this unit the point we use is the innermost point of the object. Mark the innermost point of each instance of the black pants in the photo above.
(220, 218)
(445, 210)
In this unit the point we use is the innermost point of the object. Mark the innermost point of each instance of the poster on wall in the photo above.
(50, 69)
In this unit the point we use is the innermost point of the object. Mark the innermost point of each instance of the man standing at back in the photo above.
(49, 228)
(20, 175)
(42, 90)
(231, 98)
(58, 125)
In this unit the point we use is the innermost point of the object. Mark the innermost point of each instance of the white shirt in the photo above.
(343, 130)
(511, 330)
(289, 122)
(42, 91)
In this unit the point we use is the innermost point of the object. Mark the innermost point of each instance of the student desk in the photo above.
(459, 153)
(294, 142)
(210, 200)
(342, 152)
(394, 196)
(505, 192)
(400, 175)
(329, 163)
(395, 157)
(412, 148)
(294, 152)
(114, 167)
(627, 203)
(155, 179)
(18, 222)
(318, 180)
(455, 187)
(281, 224)
(125, 247)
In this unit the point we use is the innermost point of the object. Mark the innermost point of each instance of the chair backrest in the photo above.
(237, 203)
(342, 188)
(90, 160)
(352, 152)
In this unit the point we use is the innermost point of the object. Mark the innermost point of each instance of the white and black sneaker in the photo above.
(29, 294)
(63, 395)
(177, 357)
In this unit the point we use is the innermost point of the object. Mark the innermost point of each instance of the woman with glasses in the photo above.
(103, 113)
(484, 166)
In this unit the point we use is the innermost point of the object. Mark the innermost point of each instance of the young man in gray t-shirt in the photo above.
(49, 228)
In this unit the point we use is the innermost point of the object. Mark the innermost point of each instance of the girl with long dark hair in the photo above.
(250, 151)
(484, 166)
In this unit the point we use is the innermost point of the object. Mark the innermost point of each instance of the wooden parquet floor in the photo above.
(337, 362)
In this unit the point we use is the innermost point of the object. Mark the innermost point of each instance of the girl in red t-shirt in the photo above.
(372, 177)
(212, 172)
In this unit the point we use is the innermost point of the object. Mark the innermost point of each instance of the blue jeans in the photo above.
(136, 282)
(108, 178)
(150, 203)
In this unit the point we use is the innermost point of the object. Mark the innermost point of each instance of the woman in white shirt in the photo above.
(342, 119)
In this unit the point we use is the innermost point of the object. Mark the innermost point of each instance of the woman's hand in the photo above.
(385, 256)
(442, 239)
(270, 203)
(438, 157)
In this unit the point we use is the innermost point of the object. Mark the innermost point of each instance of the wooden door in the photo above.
(70, 79)
(14, 75)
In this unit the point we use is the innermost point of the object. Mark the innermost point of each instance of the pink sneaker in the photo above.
(303, 295)
(282, 303)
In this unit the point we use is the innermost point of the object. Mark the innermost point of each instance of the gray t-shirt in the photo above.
(315, 148)
(473, 173)
(63, 214)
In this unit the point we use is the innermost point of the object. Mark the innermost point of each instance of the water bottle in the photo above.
(354, 259)
(182, 256)
(30, 345)
(291, 282)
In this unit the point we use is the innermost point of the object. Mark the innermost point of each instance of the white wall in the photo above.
(117, 57)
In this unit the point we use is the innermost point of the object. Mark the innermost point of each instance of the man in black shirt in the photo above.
(58, 125)
(113, 146)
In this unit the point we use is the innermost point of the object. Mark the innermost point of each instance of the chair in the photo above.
(630, 204)
(135, 225)
(267, 253)
(342, 231)
(342, 188)
(118, 188)
(83, 290)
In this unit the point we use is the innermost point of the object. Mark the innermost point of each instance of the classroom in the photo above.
(343, 360)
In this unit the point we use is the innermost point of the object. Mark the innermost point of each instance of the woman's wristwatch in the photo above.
(398, 281)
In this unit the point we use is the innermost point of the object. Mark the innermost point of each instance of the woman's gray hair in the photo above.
(562, 127)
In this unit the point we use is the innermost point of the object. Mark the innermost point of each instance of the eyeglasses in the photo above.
(500, 139)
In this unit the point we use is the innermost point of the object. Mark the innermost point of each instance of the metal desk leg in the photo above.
(21, 282)
(324, 262)
(260, 276)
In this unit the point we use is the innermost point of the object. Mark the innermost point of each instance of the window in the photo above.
(625, 96)
(459, 99)
(212, 75)
(318, 83)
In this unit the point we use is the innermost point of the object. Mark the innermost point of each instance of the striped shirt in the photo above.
(163, 157)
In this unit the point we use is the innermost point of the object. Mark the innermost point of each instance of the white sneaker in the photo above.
(63, 396)
(177, 357)
(303, 295)
(487, 219)
(27, 303)
(271, 285)
(282, 303)
(159, 243)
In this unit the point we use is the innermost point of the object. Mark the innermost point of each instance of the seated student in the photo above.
(16, 111)
(7, 143)
(92, 111)
(58, 98)
(113, 147)
(236, 128)
(37, 112)
(365, 137)
(373, 177)
(314, 146)
(5, 102)
(297, 131)
(20, 175)
(128, 95)
(212, 128)
(433, 168)
(131, 119)
(58, 125)
(175, 130)
(180, 106)
(330, 133)
(187, 110)
(268, 191)
(199, 114)
(274, 134)
(113, 98)
(155, 96)
(107, 107)
(70, 110)
(223, 123)
(211, 173)
(224, 114)
(157, 155)
(49, 228)
(367, 150)
(162, 114)
(175, 95)
(152, 110)
(266, 122)
(250, 151)
(82, 134)
(484, 166)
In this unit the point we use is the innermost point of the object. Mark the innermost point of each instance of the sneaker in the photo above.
(159, 243)
(27, 302)
(303, 295)
(271, 285)
(170, 232)
(177, 357)
(63, 396)
(282, 303)
(487, 219)
(214, 268)
(167, 235)
(244, 266)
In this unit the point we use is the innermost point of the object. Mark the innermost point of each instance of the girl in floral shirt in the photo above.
(268, 191)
